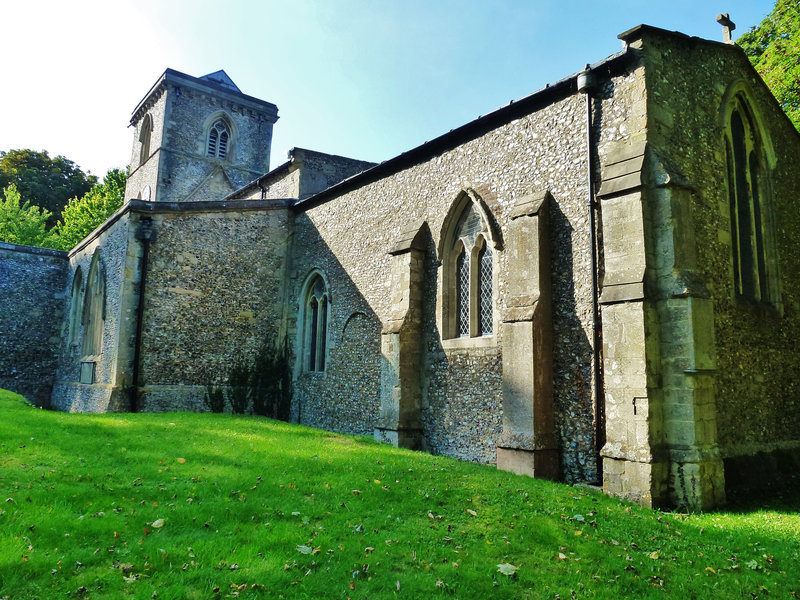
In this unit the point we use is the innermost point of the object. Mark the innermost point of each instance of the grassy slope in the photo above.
(287, 511)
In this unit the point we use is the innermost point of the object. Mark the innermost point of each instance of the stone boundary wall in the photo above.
(32, 284)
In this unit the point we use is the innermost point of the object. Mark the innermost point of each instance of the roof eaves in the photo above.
(513, 110)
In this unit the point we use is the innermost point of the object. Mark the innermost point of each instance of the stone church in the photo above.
(599, 282)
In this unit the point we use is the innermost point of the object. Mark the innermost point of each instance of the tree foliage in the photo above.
(83, 215)
(46, 182)
(774, 49)
(21, 223)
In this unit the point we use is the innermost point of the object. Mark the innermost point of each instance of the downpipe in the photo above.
(585, 83)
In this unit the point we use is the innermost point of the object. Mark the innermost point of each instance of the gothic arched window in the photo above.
(218, 140)
(144, 138)
(75, 308)
(315, 325)
(467, 262)
(746, 194)
(94, 310)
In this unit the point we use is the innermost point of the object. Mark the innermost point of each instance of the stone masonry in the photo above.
(596, 283)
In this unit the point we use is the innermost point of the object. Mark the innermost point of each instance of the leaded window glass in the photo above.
(467, 252)
(312, 355)
(322, 338)
(316, 325)
(485, 290)
(746, 208)
(462, 293)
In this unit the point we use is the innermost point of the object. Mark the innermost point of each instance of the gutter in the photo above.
(612, 65)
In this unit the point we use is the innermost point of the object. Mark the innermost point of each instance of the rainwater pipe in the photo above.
(585, 83)
(145, 234)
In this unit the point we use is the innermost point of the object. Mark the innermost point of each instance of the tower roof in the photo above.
(221, 78)
(217, 83)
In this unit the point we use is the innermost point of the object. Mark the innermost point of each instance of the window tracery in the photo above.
(218, 140)
(467, 282)
(315, 324)
(746, 193)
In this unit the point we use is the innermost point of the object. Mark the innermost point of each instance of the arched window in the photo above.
(315, 325)
(467, 262)
(484, 289)
(746, 191)
(94, 310)
(144, 138)
(75, 308)
(218, 140)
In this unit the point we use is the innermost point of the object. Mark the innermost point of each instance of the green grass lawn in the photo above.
(185, 505)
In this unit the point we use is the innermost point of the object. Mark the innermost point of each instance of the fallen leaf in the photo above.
(507, 569)
(654, 555)
(181, 460)
(158, 523)
(472, 512)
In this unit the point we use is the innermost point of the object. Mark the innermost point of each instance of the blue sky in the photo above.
(367, 79)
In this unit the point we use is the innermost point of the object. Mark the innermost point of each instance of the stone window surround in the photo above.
(738, 99)
(208, 126)
(145, 134)
(93, 312)
(305, 327)
(76, 308)
(448, 252)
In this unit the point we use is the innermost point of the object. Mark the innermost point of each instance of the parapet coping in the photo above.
(145, 207)
(33, 250)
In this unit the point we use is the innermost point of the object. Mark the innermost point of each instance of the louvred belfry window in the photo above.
(218, 140)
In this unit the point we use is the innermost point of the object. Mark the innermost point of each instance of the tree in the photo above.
(774, 49)
(83, 215)
(43, 181)
(21, 223)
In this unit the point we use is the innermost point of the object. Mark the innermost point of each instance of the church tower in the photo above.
(198, 139)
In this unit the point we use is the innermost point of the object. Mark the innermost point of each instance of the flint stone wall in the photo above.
(757, 370)
(32, 296)
(214, 293)
(462, 404)
(109, 393)
(146, 173)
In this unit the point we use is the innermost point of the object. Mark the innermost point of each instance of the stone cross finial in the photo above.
(727, 27)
